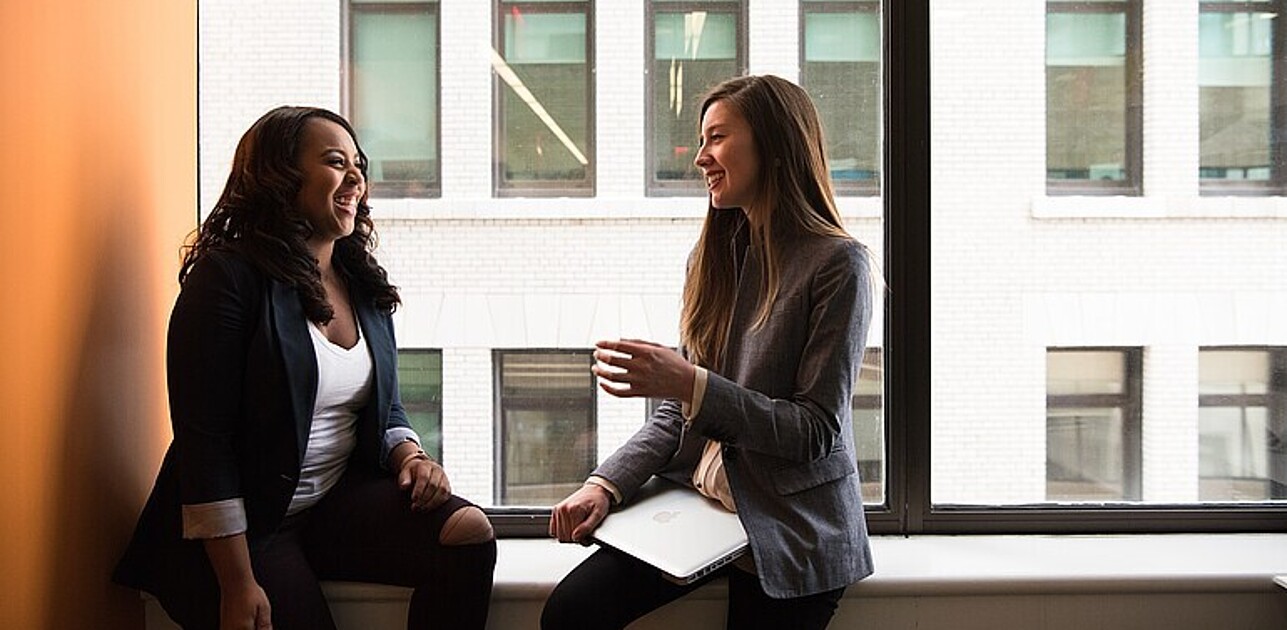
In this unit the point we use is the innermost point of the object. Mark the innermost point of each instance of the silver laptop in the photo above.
(675, 529)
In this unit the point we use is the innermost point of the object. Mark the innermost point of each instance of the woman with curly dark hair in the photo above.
(292, 459)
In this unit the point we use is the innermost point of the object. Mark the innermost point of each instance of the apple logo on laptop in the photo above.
(665, 516)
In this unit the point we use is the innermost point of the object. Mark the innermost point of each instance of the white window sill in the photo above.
(574, 208)
(1121, 207)
(527, 569)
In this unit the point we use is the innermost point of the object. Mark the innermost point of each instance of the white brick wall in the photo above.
(1013, 271)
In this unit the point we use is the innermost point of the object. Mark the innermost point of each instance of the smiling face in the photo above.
(332, 184)
(727, 157)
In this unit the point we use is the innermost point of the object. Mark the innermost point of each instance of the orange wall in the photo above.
(98, 179)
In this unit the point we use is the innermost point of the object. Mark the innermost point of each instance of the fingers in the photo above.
(588, 524)
(429, 485)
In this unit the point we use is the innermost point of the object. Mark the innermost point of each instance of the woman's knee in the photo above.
(466, 526)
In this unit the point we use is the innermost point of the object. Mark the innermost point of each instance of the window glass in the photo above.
(841, 71)
(1242, 442)
(869, 426)
(1235, 71)
(1088, 86)
(394, 96)
(691, 52)
(420, 385)
(1091, 418)
(545, 89)
(547, 425)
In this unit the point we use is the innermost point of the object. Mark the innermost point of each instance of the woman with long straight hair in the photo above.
(757, 411)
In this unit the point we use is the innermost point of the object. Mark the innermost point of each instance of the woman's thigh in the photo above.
(609, 590)
(365, 530)
(750, 608)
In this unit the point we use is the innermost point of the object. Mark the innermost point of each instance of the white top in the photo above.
(343, 386)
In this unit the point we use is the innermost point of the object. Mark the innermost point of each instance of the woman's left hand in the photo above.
(631, 367)
(427, 481)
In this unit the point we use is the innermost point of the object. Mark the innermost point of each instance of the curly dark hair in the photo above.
(256, 216)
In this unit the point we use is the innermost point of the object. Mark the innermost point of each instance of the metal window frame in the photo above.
(846, 188)
(1133, 155)
(1276, 185)
(654, 187)
(523, 521)
(393, 190)
(534, 188)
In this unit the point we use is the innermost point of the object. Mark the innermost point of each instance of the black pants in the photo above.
(362, 531)
(610, 589)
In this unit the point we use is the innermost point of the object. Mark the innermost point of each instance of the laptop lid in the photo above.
(675, 529)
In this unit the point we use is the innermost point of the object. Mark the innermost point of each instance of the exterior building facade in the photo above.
(1118, 341)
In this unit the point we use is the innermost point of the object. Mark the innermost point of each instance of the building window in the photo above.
(840, 68)
(693, 45)
(869, 426)
(1242, 424)
(1239, 46)
(420, 385)
(393, 94)
(546, 423)
(544, 98)
(1093, 424)
(1093, 97)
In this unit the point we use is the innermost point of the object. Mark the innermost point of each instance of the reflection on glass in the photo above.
(869, 426)
(692, 51)
(545, 120)
(841, 72)
(395, 96)
(1091, 418)
(1086, 95)
(548, 436)
(420, 385)
(1242, 424)
(1234, 73)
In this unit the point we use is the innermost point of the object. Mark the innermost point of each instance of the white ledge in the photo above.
(920, 566)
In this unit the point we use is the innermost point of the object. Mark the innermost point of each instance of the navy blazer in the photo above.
(242, 377)
(780, 403)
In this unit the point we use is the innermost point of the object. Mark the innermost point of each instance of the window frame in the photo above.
(1133, 154)
(654, 187)
(1277, 182)
(399, 189)
(1131, 403)
(847, 188)
(906, 208)
(1274, 401)
(402, 352)
(537, 189)
(500, 449)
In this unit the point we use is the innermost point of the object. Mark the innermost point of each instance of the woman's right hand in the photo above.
(577, 516)
(244, 608)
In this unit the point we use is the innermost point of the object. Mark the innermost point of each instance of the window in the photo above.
(1239, 45)
(546, 420)
(693, 45)
(1242, 424)
(420, 385)
(544, 98)
(393, 94)
(869, 426)
(1093, 97)
(1093, 425)
(840, 68)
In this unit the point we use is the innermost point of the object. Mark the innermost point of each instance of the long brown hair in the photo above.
(256, 216)
(795, 197)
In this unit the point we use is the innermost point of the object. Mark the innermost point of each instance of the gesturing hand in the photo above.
(577, 516)
(632, 367)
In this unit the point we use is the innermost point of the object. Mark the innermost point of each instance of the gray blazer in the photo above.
(780, 403)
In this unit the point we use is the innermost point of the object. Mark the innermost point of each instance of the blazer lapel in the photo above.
(298, 359)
